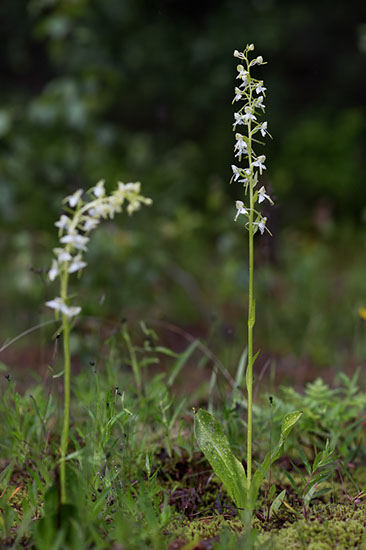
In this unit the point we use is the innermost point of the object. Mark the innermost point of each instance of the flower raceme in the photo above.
(83, 216)
(252, 92)
(75, 228)
(243, 484)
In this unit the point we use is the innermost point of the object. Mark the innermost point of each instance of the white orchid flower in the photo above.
(259, 163)
(59, 305)
(262, 195)
(77, 241)
(240, 209)
(261, 225)
(74, 199)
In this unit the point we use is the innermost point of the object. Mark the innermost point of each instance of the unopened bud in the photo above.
(238, 54)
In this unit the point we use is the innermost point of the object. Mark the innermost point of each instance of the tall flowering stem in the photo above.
(74, 230)
(252, 93)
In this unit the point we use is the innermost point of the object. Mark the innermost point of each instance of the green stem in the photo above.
(67, 373)
(251, 310)
(250, 342)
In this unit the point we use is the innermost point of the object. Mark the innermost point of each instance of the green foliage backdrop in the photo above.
(142, 90)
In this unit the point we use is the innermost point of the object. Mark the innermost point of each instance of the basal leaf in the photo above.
(213, 443)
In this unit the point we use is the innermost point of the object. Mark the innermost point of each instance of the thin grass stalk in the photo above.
(67, 376)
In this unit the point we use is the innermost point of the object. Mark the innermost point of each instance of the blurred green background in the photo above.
(141, 90)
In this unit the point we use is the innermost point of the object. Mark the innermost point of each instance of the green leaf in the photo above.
(165, 351)
(277, 503)
(292, 481)
(309, 495)
(58, 375)
(251, 317)
(317, 459)
(304, 460)
(260, 467)
(248, 381)
(321, 492)
(176, 413)
(148, 463)
(298, 471)
(347, 473)
(182, 361)
(288, 422)
(272, 492)
(239, 376)
(213, 443)
(320, 478)
(3, 367)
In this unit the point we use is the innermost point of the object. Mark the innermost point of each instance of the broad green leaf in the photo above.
(277, 503)
(288, 422)
(309, 495)
(213, 443)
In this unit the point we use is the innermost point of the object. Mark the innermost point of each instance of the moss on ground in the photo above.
(341, 527)
(329, 527)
